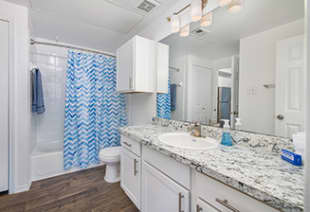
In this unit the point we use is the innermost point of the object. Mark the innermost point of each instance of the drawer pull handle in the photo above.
(226, 204)
(135, 172)
(198, 208)
(127, 144)
(181, 196)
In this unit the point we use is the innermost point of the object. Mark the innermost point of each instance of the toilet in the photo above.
(111, 158)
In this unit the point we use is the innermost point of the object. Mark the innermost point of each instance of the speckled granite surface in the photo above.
(256, 172)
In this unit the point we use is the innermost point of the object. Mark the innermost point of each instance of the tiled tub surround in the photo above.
(253, 167)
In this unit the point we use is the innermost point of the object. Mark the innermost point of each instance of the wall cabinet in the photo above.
(138, 63)
(160, 193)
(131, 175)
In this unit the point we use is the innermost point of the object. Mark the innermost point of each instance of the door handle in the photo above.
(135, 172)
(226, 204)
(198, 208)
(181, 196)
(280, 117)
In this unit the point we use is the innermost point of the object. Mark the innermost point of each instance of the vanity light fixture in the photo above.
(235, 6)
(175, 23)
(196, 10)
(207, 19)
(224, 3)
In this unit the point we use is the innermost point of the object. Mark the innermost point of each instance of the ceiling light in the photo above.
(206, 20)
(224, 3)
(196, 10)
(235, 6)
(185, 31)
(175, 23)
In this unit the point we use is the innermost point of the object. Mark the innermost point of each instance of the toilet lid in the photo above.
(110, 152)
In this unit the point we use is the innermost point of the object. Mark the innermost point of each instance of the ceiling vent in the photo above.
(199, 33)
(148, 5)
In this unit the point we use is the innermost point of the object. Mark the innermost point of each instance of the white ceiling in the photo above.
(227, 29)
(98, 24)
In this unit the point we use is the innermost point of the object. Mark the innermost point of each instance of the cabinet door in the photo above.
(131, 176)
(125, 67)
(160, 193)
(162, 67)
(203, 206)
(144, 74)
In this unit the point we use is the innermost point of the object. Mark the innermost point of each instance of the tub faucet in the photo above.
(196, 130)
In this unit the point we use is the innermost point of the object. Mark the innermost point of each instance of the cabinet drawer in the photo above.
(175, 170)
(131, 145)
(225, 198)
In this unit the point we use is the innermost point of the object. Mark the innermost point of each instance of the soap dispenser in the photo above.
(226, 137)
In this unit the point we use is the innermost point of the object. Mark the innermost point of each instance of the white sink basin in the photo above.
(186, 141)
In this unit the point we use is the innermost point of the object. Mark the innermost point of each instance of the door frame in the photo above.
(6, 17)
(307, 103)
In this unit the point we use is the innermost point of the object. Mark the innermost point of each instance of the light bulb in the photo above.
(235, 6)
(175, 24)
(184, 32)
(224, 3)
(196, 10)
(206, 20)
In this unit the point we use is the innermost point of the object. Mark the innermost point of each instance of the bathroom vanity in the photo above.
(161, 177)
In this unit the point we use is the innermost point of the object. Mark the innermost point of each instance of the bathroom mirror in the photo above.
(244, 65)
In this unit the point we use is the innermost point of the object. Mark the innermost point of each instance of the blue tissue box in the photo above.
(291, 157)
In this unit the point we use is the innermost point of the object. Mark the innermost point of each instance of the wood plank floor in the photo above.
(80, 191)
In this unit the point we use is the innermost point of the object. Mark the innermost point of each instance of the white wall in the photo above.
(20, 94)
(257, 67)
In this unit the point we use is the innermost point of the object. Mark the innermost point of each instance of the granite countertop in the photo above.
(263, 176)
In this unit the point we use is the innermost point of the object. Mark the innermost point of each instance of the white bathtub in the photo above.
(47, 160)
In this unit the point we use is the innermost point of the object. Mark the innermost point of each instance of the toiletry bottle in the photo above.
(226, 137)
(238, 124)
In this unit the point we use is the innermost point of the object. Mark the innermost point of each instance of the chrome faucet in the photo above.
(196, 130)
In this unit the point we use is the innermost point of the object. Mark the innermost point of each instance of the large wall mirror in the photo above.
(247, 65)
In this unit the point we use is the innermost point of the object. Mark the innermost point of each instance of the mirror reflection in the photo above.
(244, 67)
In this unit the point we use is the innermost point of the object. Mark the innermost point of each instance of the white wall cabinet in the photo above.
(131, 176)
(138, 62)
(160, 193)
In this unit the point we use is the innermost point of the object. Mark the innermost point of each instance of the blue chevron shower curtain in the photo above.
(164, 104)
(93, 109)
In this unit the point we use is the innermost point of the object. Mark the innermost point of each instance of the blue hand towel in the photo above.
(173, 96)
(37, 92)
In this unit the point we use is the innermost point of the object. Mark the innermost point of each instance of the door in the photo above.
(224, 103)
(4, 106)
(203, 206)
(201, 94)
(160, 193)
(131, 176)
(289, 111)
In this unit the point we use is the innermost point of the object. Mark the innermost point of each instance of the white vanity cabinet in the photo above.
(131, 170)
(142, 66)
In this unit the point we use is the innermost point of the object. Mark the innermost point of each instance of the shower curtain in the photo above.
(93, 109)
(164, 104)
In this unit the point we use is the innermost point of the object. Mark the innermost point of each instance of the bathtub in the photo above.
(47, 161)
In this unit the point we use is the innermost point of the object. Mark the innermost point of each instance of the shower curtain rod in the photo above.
(33, 42)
